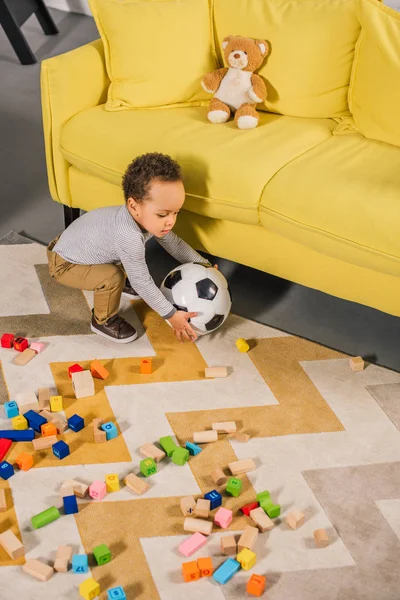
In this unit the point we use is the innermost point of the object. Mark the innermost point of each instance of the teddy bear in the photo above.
(237, 88)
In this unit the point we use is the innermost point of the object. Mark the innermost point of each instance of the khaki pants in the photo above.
(107, 281)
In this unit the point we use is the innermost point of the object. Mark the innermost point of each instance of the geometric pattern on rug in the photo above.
(388, 397)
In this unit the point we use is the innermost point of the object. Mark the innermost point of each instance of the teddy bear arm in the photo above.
(258, 92)
(211, 81)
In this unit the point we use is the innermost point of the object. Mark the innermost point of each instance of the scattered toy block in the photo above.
(228, 545)
(112, 482)
(38, 569)
(248, 538)
(188, 505)
(38, 347)
(76, 423)
(242, 466)
(205, 566)
(226, 571)
(168, 445)
(70, 505)
(61, 426)
(204, 437)
(256, 585)
(102, 554)
(80, 563)
(135, 484)
(79, 489)
(100, 436)
(190, 571)
(35, 421)
(202, 509)
(98, 490)
(215, 372)
(234, 487)
(192, 544)
(148, 467)
(6, 470)
(218, 476)
(146, 367)
(56, 403)
(272, 510)
(321, 538)
(215, 499)
(83, 384)
(96, 423)
(63, 558)
(193, 448)
(180, 456)
(11, 409)
(7, 340)
(194, 525)
(24, 461)
(3, 502)
(66, 489)
(26, 401)
(247, 559)
(248, 507)
(295, 519)
(262, 520)
(98, 371)
(26, 356)
(19, 423)
(357, 363)
(223, 517)
(11, 544)
(242, 345)
(44, 398)
(116, 594)
(239, 436)
(5, 445)
(61, 449)
(224, 427)
(75, 368)
(17, 435)
(48, 429)
(89, 589)
(151, 451)
(49, 441)
(20, 344)
(110, 429)
(45, 517)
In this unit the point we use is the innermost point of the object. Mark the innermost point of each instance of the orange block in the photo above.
(48, 429)
(190, 571)
(256, 585)
(97, 370)
(145, 366)
(205, 566)
(24, 461)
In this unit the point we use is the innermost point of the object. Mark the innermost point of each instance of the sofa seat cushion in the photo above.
(342, 199)
(225, 169)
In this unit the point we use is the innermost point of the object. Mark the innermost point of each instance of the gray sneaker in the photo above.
(115, 329)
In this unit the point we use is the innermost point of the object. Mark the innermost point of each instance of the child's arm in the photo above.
(180, 250)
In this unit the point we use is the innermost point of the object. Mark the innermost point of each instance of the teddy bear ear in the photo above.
(226, 41)
(264, 46)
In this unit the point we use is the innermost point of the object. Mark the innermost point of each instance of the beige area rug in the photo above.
(324, 440)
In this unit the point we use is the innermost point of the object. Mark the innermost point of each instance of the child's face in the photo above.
(157, 214)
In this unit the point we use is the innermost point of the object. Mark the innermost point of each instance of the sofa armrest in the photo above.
(70, 83)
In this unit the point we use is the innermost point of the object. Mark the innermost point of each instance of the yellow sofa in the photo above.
(306, 198)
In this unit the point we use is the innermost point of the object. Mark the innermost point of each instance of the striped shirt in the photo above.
(111, 235)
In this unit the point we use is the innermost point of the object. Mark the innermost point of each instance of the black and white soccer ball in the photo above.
(193, 287)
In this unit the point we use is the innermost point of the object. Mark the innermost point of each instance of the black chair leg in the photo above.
(70, 214)
(15, 35)
(45, 19)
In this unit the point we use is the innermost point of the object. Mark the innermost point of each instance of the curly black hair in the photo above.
(146, 168)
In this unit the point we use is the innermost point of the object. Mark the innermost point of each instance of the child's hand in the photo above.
(181, 327)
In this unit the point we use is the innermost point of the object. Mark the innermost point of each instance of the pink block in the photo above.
(38, 347)
(223, 517)
(97, 490)
(195, 542)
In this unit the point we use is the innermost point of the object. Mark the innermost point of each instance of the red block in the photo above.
(5, 445)
(248, 507)
(74, 369)
(7, 340)
(20, 344)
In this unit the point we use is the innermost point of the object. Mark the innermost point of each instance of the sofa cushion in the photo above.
(342, 199)
(312, 50)
(225, 169)
(374, 94)
(156, 50)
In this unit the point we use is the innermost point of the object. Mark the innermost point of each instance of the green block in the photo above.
(272, 510)
(234, 487)
(148, 467)
(45, 517)
(102, 554)
(168, 445)
(180, 456)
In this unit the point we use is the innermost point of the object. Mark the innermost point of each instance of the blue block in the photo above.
(76, 423)
(60, 449)
(193, 448)
(6, 470)
(226, 571)
(80, 563)
(11, 409)
(70, 505)
(215, 499)
(110, 429)
(26, 435)
(35, 420)
(116, 594)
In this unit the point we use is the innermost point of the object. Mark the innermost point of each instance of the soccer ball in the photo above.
(193, 287)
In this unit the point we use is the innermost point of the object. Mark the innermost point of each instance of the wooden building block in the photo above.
(61, 425)
(151, 451)
(38, 569)
(242, 345)
(44, 443)
(205, 566)
(357, 363)
(3, 503)
(256, 585)
(26, 401)
(24, 461)
(218, 476)
(19, 423)
(83, 384)
(228, 545)
(48, 429)
(224, 427)
(223, 517)
(146, 367)
(214, 372)
(190, 571)
(188, 505)
(112, 482)
(239, 436)
(63, 558)
(261, 519)
(26, 356)
(97, 423)
(100, 436)
(295, 519)
(248, 538)
(135, 484)
(242, 466)
(38, 347)
(202, 509)
(56, 403)
(193, 525)
(66, 489)
(247, 559)
(321, 538)
(203, 437)
(192, 544)
(11, 544)
(44, 398)
(98, 371)
(78, 488)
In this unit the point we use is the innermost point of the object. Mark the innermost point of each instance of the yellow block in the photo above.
(89, 589)
(247, 558)
(112, 483)
(56, 403)
(19, 422)
(242, 345)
